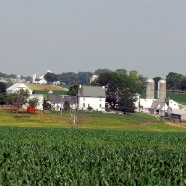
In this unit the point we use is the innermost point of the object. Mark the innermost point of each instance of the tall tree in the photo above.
(121, 88)
(50, 77)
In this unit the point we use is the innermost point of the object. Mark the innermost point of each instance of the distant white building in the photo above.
(40, 79)
(156, 106)
(93, 78)
(19, 86)
(91, 97)
(16, 87)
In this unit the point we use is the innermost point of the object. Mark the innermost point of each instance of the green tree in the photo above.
(121, 88)
(100, 71)
(173, 80)
(33, 102)
(83, 78)
(18, 98)
(68, 78)
(73, 90)
(2, 93)
(50, 77)
(183, 84)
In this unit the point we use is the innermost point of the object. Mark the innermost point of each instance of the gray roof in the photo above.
(91, 91)
(158, 104)
(62, 98)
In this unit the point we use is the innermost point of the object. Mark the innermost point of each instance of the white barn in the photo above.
(91, 97)
(16, 87)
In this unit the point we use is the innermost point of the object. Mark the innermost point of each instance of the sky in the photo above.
(148, 36)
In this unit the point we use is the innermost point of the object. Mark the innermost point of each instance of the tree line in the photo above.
(175, 81)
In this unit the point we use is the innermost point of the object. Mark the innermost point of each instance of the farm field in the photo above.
(43, 87)
(61, 156)
(137, 149)
(93, 120)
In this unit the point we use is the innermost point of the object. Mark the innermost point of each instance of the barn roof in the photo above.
(91, 91)
(17, 85)
(158, 105)
(62, 98)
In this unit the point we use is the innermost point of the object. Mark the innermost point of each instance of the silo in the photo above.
(150, 89)
(34, 78)
(162, 89)
(18, 78)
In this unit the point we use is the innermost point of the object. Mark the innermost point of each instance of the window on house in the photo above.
(83, 104)
(100, 105)
(83, 99)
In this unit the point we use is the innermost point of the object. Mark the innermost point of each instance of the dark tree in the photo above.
(173, 80)
(73, 90)
(2, 93)
(83, 78)
(156, 79)
(68, 78)
(100, 71)
(50, 77)
(121, 88)
(183, 84)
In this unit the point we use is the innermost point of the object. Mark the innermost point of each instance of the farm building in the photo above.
(58, 101)
(91, 97)
(17, 86)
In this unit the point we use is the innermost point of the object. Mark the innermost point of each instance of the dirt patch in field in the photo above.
(177, 124)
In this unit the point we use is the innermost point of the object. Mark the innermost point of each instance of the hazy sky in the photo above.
(84, 35)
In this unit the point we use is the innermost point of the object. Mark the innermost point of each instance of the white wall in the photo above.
(40, 101)
(96, 103)
(173, 104)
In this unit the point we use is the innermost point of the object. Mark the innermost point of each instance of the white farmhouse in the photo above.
(91, 97)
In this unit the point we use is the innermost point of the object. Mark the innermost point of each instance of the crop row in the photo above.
(91, 157)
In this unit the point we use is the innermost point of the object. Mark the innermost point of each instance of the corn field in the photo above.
(41, 156)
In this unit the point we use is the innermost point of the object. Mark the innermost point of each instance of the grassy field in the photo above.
(93, 120)
(43, 89)
(105, 149)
